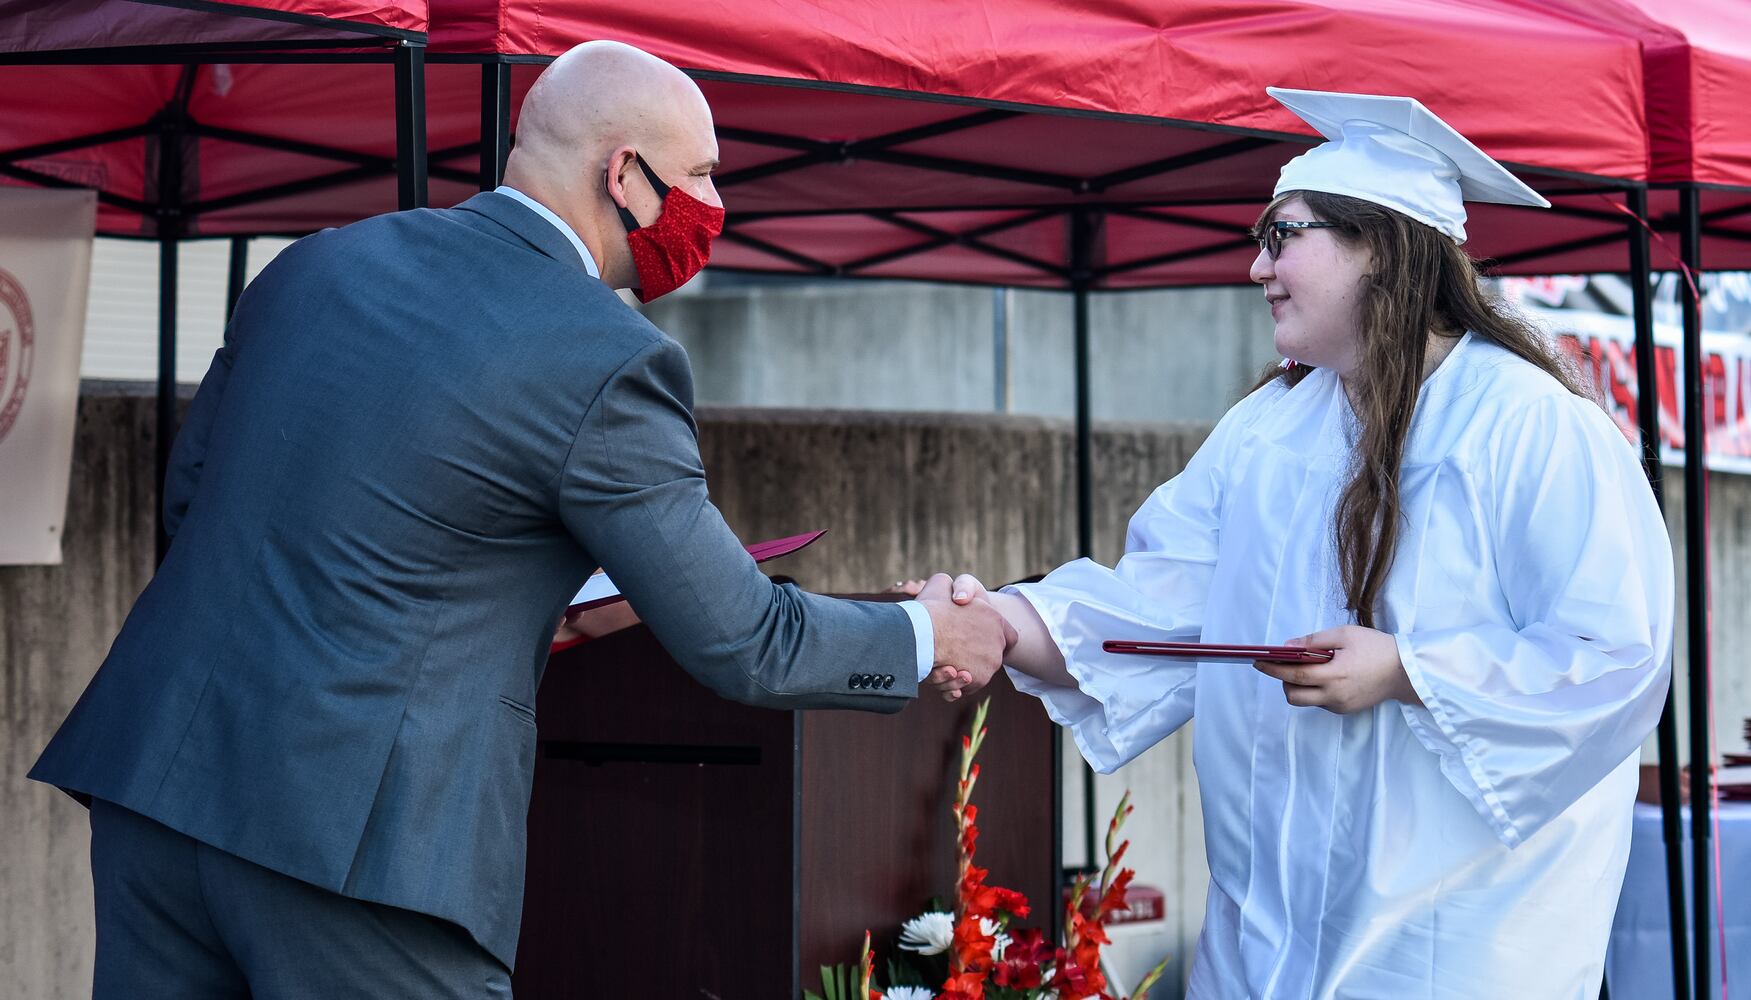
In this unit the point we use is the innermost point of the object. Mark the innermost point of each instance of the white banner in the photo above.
(1603, 347)
(45, 274)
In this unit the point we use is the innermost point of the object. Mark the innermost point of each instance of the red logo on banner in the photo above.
(17, 345)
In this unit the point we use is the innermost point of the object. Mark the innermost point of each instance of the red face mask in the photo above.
(675, 247)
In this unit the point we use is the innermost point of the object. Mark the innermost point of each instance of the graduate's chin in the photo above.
(1285, 344)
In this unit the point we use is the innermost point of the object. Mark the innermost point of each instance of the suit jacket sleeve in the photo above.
(633, 493)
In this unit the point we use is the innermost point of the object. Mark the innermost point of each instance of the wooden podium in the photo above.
(683, 847)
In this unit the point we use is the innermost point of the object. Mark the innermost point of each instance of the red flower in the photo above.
(1011, 902)
(972, 947)
(963, 987)
(1017, 975)
(1085, 957)
(1021, 962)
(1114, 897)
(977, 898)
(1069, 981)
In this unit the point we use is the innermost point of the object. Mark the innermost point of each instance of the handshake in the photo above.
(972, 636)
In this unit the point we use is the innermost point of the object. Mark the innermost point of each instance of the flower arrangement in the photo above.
(985, 958)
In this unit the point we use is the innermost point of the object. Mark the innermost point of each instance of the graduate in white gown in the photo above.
(1442, 810)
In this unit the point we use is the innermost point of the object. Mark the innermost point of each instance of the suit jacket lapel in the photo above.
(525, 225)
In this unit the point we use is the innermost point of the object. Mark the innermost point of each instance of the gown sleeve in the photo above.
(1530, 714)
(1124, 704)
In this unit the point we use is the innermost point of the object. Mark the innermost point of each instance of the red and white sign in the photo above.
(45, 274)
(1603, 347)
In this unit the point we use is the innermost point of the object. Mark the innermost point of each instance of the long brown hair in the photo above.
(1420, 283)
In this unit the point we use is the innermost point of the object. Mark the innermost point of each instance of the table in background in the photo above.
(1638, 965)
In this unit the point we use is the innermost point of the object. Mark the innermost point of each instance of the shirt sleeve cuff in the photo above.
(924, 634)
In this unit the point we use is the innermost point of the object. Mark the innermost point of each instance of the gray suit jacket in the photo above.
(423, 433)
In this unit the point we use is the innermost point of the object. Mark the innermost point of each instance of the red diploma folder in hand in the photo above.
(600, 590)
(1218, 651)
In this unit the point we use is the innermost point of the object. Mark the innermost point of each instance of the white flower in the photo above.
(932, 933)
(909, 992)
(928, 933)
(989, 926)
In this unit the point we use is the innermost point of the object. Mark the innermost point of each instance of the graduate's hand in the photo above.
(1363, 672)
(968, 590)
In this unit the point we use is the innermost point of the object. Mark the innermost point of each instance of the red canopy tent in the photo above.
(899, 139)
(196, 72)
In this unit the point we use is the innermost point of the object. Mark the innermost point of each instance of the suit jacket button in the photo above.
(851, 682)
(888, 681)
(867, 680)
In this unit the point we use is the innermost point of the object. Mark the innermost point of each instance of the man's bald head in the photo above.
(589, 111)
(605, 94)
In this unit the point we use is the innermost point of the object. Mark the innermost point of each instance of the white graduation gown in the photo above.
(1473, 847)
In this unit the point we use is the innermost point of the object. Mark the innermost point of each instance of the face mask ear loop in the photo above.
(662, 190)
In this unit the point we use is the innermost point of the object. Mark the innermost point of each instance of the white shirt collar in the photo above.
(558, 223)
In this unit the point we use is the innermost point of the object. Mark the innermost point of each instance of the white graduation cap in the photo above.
(1392, 151)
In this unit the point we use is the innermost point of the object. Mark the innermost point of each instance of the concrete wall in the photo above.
(1160, 355)
(904, 494)
(1184, 354)
(56, 623)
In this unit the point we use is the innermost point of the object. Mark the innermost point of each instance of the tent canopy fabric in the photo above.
(1697, 75)
(1196, 62)
(115, 26)
(834, 118)
(270, 148)
(894, 138)
(101, 85)
(899, 139)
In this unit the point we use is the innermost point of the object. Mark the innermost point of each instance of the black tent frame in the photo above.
(1080, 272)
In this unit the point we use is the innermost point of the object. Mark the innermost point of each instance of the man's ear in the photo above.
(619, 162)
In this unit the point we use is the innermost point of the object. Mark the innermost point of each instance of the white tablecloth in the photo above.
(1639, 963)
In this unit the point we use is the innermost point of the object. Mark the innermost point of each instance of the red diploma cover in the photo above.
(1218, 651)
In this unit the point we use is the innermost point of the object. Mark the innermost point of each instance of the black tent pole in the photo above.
(168, 213)
(495, 123)
(1648, 420)
(410, 124)
(1696, 587)
(1083, 224)
(237, 276)
(1081, 275)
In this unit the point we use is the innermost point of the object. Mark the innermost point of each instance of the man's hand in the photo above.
(971, 638)
(1364, 671)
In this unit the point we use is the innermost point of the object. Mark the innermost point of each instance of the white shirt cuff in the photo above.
(925, 635)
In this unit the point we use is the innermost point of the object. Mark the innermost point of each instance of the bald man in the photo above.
(308, 754)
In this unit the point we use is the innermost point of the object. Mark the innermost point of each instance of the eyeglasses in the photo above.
(1271, 239)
